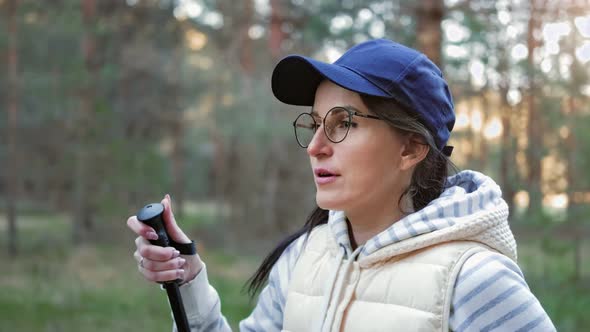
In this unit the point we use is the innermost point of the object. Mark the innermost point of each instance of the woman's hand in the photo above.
(163, 264)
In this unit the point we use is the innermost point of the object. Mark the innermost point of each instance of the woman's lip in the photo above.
(325, 179)
(329, 178)
(318, 171)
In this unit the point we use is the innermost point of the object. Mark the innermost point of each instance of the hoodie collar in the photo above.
(466, 195)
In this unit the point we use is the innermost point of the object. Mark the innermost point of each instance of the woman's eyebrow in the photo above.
(354, 109)
(348, 107)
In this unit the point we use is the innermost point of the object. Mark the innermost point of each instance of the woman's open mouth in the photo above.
(324, 176)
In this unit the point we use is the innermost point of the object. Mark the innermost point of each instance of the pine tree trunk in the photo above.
(507, 155)
(483, 143)
(82, 222)
(218, 174)
(178, 174)
(507, 149)
(570, 113)
(429, 16)
(277, 35)
(535, 139)
(245, 52)
(12, 174)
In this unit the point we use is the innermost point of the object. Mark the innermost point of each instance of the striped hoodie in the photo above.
(490, 292)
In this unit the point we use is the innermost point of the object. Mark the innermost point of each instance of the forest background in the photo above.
(107, 105)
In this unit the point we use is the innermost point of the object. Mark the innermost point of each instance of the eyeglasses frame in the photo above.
(351, 113)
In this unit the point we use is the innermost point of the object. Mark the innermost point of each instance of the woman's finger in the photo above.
(160, 276)
(141, 242)
(170, 222)
(137, 256)
(141, 229)
(156, 266)
(156, 253)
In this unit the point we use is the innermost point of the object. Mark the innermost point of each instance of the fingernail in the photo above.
(181, 262)
(180, 274)
(176, 253)
(152, 236)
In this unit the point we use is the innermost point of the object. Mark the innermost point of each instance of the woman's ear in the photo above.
(413, 151)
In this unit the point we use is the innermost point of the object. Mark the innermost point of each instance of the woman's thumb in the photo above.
(172, 228)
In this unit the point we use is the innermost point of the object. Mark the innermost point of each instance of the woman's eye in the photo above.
(348, 124)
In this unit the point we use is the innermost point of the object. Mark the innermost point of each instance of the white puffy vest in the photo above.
(389, 290)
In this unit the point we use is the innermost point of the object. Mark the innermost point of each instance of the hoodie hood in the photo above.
(470, 208)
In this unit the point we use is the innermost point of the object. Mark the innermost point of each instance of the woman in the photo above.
(394, 244)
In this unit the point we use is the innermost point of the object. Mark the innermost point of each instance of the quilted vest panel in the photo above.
(407, 292)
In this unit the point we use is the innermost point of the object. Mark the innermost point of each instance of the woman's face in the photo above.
(365, 170)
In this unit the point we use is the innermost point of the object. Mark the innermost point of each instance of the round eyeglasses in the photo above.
(337, 123)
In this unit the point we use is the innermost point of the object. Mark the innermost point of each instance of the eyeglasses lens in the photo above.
(305, 127)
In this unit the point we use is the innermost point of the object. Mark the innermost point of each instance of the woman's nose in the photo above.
(319, 145)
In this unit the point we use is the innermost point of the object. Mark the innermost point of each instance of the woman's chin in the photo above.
(326, 202)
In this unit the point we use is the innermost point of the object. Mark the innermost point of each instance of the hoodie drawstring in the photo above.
(328, 313)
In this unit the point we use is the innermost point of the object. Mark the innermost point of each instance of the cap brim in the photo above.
(296, 78)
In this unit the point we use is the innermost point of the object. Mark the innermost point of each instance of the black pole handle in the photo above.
(151, 215)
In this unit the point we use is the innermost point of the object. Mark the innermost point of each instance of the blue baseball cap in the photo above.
(380, 68)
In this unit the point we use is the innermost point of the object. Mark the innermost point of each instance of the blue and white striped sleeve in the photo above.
(203, 306)
(491, 295)
(268, 313)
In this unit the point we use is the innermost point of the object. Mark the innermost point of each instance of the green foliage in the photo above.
(55, 286)
(97, 290)
(548, 269)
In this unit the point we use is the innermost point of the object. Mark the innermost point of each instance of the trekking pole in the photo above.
(151, 215)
